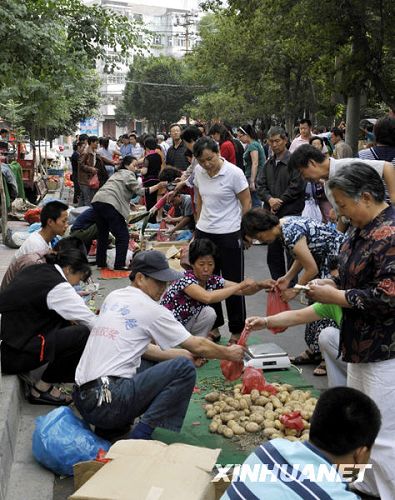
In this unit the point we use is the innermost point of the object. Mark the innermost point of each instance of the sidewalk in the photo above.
(21, 477)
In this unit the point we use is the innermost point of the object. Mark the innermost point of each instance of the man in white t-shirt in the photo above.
(315, 166)
(54, 221)
(114, 384)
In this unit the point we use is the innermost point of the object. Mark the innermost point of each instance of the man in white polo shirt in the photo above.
(223, 196)
(114, 384)
(314, 165)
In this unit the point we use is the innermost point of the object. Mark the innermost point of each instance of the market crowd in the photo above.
(328, 220)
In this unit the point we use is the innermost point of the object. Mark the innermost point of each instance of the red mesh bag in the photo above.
(275, 305)
(292, 420)
(160, 203)
(32, 215)
(161, 235)
(232, 370)
(253, 379)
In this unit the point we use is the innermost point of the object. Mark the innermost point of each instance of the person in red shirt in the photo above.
(221, 135)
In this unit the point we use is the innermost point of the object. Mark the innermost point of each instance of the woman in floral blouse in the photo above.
(311, 244)
(189, 298)
(365, 290)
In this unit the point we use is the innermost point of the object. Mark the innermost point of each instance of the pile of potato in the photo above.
(259, 412)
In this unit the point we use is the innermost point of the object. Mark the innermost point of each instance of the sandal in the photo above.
(46, 398)
(306, 358)
(320, 370)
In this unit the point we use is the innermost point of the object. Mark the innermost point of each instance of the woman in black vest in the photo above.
(44, 321)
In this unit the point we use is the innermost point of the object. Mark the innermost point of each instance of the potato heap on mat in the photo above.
(259, 412)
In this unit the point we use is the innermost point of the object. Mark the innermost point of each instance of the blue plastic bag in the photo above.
(60, 440)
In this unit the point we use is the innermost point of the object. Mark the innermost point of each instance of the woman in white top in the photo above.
(222, 196)
(44, 321)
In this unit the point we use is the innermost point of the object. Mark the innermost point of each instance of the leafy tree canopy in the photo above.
(48, 58)
(157, 89)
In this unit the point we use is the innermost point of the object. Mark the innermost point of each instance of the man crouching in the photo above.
(114, 384)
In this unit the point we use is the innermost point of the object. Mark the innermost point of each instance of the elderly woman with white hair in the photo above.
(365, 290)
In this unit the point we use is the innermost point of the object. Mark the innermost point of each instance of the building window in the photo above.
(181, 42)
(138, 17)
(157, 40)
(116, 79)
(170, 41)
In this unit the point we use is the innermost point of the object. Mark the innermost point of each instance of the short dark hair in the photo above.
(277, 131)
(316, 138)
(257, 220)
(126, 161)
(65, 244)
(357, 178)
(169, 174)
(52, 210)
(338, 132)
(384, 131)
(150, 142)
(175, 125)
(300, 157)
(305, 120)
(191, 134)
(3, 131)
(76, 259)
(344, 419)
(104, 142)
(83, 137)
(249, 130)
(202, 247)
(93, 138)
(224, 134)
(125, 136)
(204, 143)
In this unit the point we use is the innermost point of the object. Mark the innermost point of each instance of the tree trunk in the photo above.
(352, 121)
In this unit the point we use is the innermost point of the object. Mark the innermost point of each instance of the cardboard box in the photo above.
(151, 470)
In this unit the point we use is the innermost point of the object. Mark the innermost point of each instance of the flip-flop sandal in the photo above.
(306, 358)
(46, 398)
(320, 370)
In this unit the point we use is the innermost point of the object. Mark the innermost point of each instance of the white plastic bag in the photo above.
(111, 258)
(312, 210)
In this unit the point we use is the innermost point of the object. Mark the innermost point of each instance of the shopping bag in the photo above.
(292, 420)
(252, 379)
(275, 305)
(94, 182)
(312, 210)
(60, 440)
(232, 370)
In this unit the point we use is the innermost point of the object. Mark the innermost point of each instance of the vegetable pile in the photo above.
(285, 414)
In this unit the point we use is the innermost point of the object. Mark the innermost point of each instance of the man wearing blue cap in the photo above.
(114, 385)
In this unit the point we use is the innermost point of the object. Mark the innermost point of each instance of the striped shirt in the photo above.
(291, 461)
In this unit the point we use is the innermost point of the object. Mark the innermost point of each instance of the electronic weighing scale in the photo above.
(268, 356)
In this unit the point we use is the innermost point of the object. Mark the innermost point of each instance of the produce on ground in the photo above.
(286, 414)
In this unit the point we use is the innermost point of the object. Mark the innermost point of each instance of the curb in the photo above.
(10, 412)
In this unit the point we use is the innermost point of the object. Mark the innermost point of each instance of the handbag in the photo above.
(94, 182)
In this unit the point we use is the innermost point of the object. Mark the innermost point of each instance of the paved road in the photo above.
(292, 341)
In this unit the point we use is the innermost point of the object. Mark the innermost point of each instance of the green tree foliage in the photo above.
(157, 89)
(48, 59)
(290, 58)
